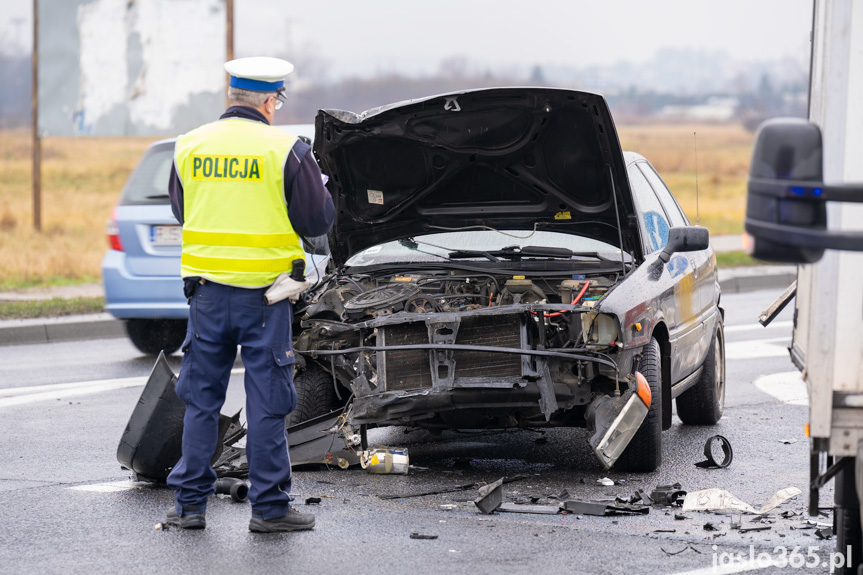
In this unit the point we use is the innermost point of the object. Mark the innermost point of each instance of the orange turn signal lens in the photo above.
(806, 430)
(643, 388)
(637, 326)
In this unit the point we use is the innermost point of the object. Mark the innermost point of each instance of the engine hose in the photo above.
(574, 301)
(236, 488)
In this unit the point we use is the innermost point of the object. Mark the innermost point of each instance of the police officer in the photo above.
(244, 192)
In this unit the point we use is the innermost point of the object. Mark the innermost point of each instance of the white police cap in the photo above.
(259, 73)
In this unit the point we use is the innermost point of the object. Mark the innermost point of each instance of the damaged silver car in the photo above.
(501, 262)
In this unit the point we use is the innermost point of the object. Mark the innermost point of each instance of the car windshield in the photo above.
(440, 247)
(148, 184)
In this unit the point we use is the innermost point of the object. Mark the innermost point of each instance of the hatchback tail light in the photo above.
(114, 233)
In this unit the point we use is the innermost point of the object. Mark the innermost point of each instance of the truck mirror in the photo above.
(785, 192)
(685, 239)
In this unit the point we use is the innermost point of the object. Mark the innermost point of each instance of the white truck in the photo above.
(805, 206)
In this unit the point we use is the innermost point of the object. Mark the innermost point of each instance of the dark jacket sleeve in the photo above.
(175, 191)
(310, 206)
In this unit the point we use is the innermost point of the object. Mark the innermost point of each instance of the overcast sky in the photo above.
(412, 37)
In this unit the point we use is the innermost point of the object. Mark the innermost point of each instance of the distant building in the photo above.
(716, 109)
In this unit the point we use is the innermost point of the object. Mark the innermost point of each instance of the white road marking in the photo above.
(734, 567)
(758, 326)
(787, 387)
(23, 395)
(757, 348)
(108, 487)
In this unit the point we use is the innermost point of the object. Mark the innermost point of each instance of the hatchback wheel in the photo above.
(644, 452)
(315, 394)
(703, 403)
(151, 336)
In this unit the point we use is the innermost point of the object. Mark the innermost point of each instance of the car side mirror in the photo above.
(685, 239)
(786, 212)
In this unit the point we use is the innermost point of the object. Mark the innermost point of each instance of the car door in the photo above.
(703, 261)
(679, 302)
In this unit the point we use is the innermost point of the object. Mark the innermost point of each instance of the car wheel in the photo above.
(644, 452)
(846, 518)
(151, 336)
(703, 403)
(315, 394)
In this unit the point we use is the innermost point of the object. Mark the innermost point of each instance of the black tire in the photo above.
(848, 533)
(644, 452)
(846, 519)
(315, 394)
(151, 336)
(703, 403)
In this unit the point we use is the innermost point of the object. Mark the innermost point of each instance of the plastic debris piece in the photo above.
(605, 481)
(671, 494)
(490, 497)
(448, 506)
(162, 526)
(416, 535)
(602, 509)
(537, 509)
(463, 487)
(787, 441)
(680, 517)
(755, 528)
(563, 495)
(672, 553)
(779, 498)
(643, 496)
(313, 500)
(710, 462)
(716, 499)
(824, 533)
(665, 530)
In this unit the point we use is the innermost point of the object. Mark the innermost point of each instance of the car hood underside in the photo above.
(507, 158)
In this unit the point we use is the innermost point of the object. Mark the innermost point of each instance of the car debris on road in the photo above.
(716, 499)
(710, 462)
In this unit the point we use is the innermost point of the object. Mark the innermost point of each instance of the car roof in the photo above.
(632, 157)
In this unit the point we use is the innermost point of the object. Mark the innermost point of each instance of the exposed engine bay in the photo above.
(448, 349)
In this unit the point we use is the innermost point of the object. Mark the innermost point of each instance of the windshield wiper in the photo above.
(517, 253)
(459, 254)
(158, 197)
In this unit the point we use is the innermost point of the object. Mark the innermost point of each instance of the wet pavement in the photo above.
(69, 508)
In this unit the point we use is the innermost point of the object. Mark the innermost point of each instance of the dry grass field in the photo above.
(82, 179)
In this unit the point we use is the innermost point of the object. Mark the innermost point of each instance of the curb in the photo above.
(52, 330)
(105, 326)
(740, 280)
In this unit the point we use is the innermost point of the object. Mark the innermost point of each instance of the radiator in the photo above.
(406, 370)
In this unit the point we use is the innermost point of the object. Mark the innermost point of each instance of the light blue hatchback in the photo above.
(141, 270)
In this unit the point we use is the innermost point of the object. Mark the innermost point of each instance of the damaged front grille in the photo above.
(500, 331)
(411, 369)
(407, 369)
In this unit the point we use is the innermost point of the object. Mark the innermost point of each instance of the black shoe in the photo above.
(293, 520)
(187, 521)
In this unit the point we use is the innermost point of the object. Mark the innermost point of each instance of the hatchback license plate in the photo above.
(166, 235)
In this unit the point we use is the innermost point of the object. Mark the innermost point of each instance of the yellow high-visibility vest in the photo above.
(236, 229)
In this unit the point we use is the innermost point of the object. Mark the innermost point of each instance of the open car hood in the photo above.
(507, 158)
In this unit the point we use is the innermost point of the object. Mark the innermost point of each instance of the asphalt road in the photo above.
(69, 508)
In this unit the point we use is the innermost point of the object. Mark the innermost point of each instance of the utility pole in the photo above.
(37, 142)
(229, 42)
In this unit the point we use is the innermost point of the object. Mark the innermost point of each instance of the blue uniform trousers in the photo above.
(220, 319)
